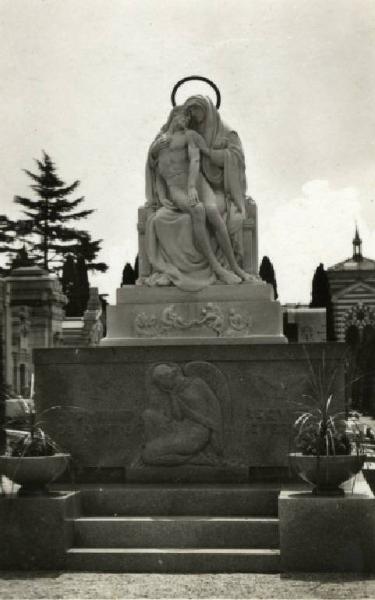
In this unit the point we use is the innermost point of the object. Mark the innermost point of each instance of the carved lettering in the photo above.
(267, 421)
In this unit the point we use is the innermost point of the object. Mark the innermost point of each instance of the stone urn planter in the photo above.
(33, 473)
(326, 473)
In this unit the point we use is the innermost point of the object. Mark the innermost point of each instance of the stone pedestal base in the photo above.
(244, 312)
(327, 534)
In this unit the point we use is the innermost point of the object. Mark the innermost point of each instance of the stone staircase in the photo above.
(187, 528)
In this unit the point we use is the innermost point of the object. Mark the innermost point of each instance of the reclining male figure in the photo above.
(178, 178)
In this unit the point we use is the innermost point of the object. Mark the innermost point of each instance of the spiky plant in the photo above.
(320, 429)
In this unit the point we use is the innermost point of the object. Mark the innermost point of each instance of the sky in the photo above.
(89, 82)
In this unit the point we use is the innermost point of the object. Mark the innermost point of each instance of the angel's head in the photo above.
(166, 376)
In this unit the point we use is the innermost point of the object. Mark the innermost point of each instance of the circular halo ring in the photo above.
(196, 78)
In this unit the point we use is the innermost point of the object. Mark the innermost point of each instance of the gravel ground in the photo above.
(238, 585)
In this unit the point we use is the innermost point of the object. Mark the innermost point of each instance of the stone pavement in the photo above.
(22, 585)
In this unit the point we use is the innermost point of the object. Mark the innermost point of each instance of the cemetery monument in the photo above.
(194, 378)
(194, 383)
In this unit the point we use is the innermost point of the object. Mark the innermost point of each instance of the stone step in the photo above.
(194, 499)
(188, 474)
(174, 560)
(181, 532)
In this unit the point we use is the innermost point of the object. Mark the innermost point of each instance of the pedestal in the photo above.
(334, 534)
(37, 531)
(245, 312)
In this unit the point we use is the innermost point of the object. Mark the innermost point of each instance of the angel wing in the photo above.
(217, 382)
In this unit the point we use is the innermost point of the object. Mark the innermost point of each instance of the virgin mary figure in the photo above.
(176, 255)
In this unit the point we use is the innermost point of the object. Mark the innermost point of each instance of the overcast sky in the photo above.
(89, 81)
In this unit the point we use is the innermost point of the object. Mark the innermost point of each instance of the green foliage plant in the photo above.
(34, 441)
(320, 429)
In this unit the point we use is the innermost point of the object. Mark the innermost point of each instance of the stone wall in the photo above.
(105, 391)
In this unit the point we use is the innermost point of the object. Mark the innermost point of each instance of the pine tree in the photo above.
(89, 249)
(267, 273)
(321, 298)
(7, 233)
(128, 275)
(47, 229)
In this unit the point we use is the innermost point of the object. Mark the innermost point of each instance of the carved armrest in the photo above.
(250, 240)
(143, 264)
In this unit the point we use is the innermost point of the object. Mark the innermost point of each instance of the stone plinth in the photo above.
(327, 533)
(104, 393)
(245, 311)
(36, 531)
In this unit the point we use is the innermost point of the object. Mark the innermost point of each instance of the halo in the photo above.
(196, 78)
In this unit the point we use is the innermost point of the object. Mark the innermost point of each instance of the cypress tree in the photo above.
(321, 298)
(128, 275)
(70, 287)
(3, 397)
(267, 273)
(136, 268)
(83, 287)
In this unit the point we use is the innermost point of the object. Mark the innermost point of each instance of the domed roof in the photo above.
(350, 264)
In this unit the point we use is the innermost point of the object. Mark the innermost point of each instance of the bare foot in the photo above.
(228, 277)
(248, 277)
(163, 280)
